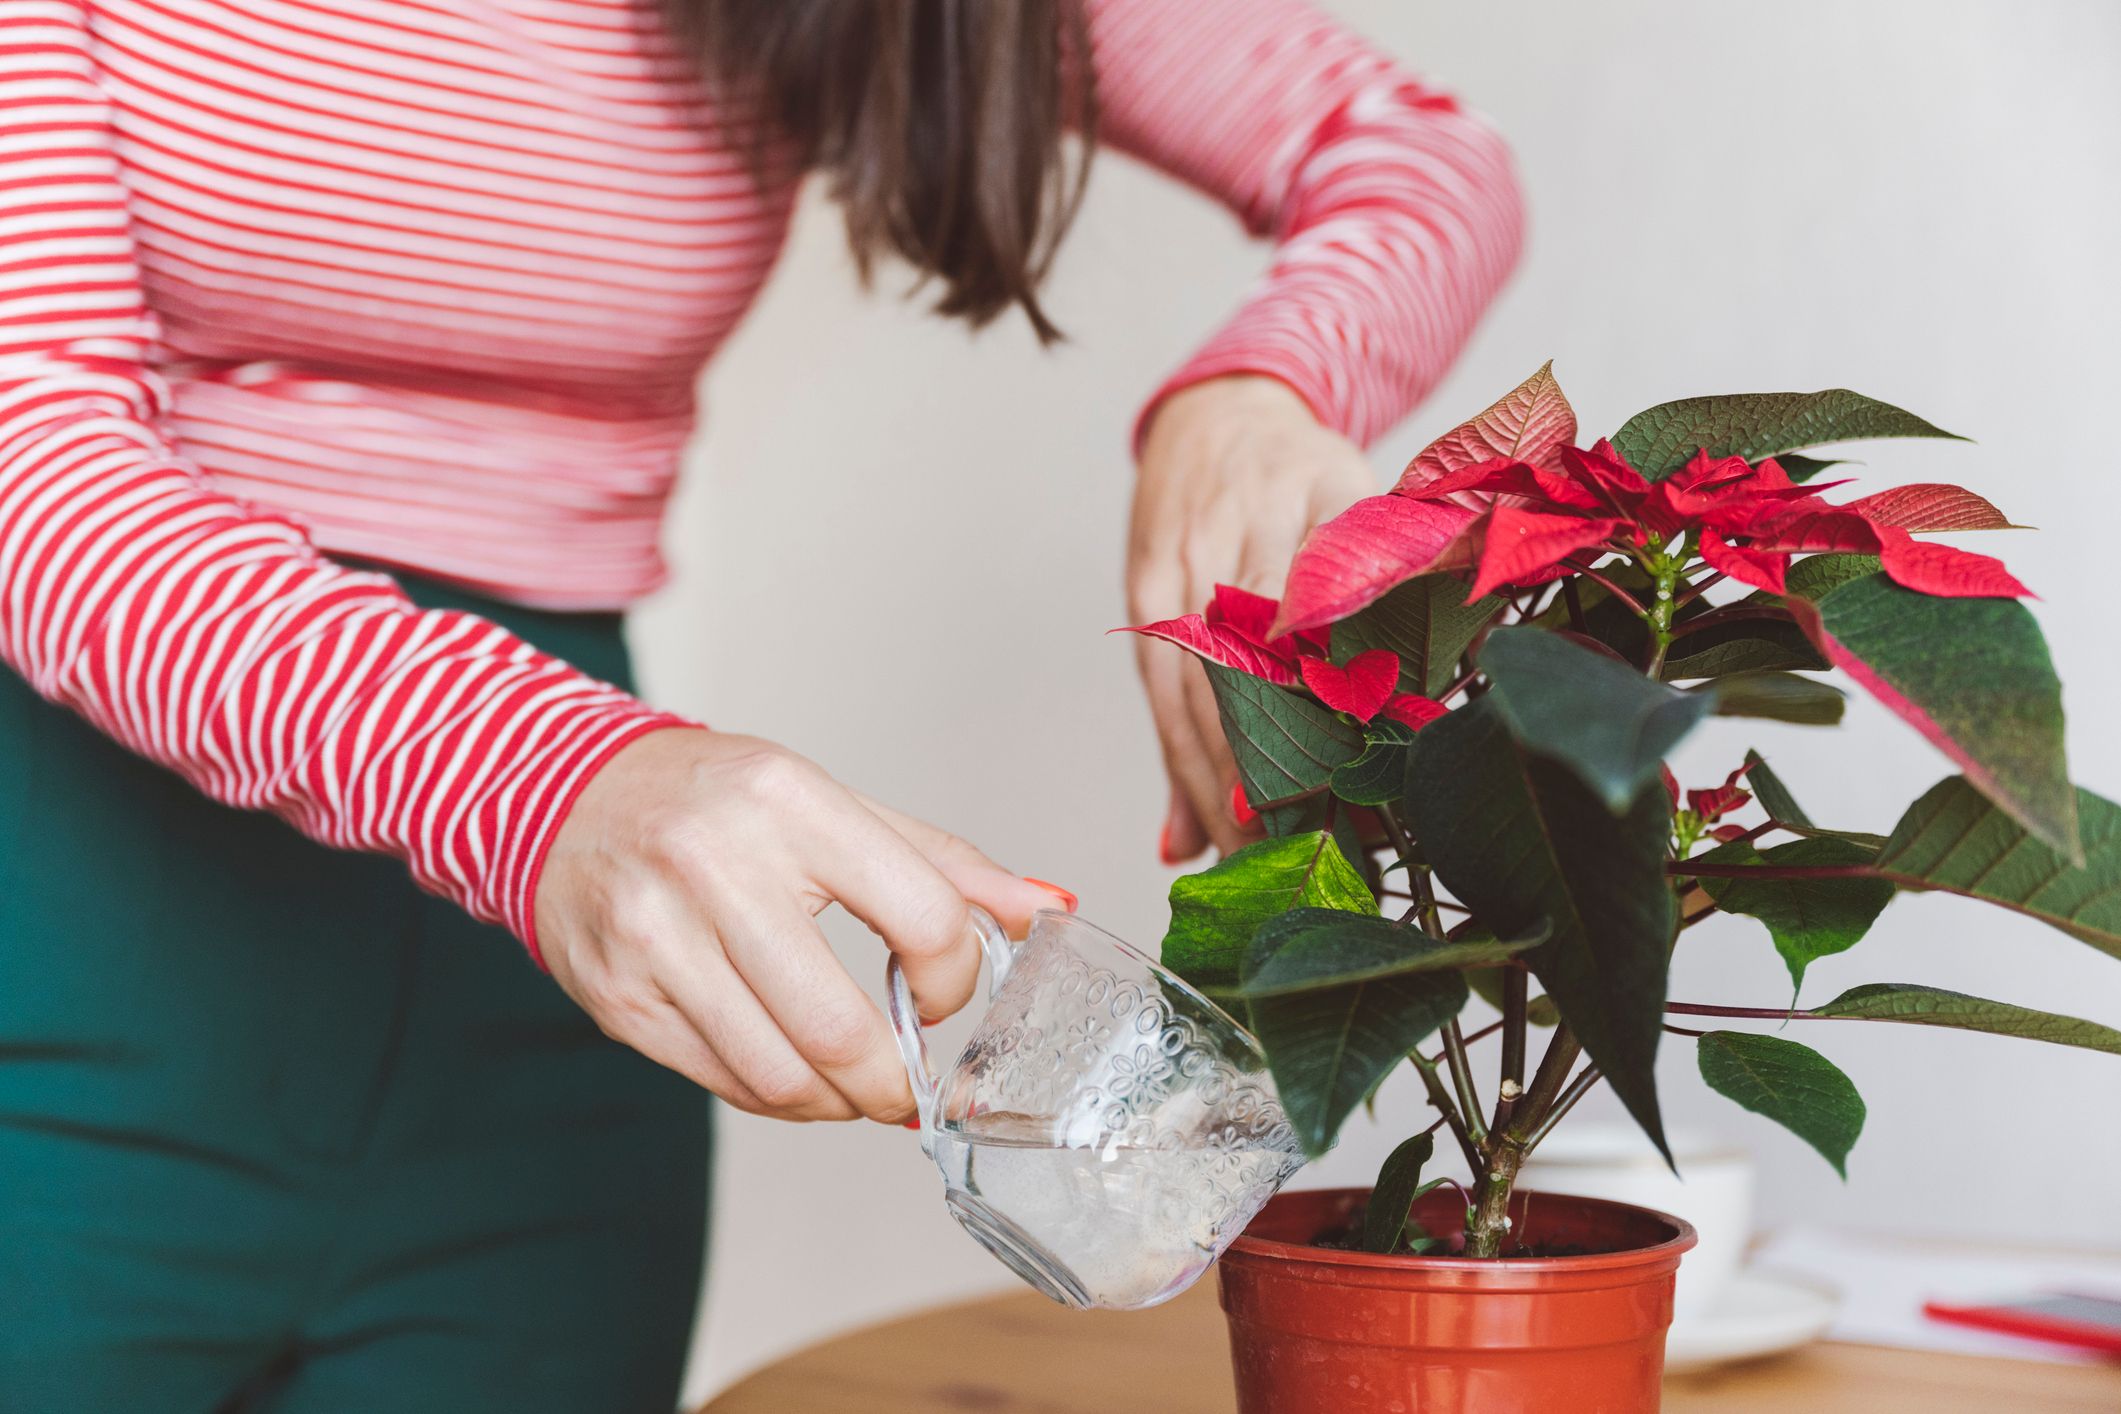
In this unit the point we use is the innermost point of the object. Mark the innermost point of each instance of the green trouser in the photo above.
(278, 1132)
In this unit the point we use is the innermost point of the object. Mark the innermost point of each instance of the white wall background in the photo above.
(900, 546)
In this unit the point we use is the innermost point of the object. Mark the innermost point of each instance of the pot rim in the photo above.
(1673, 1247)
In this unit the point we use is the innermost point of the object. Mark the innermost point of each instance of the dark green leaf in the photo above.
(1427, 622)
(1312, 949)
(1972, 675)
(1285, 744)
(1773, 795)
(1808, 918)
(1783, 809)
(1660, 440)
(1956, 840)
(1397, 1183)
(1931, 1006)
(1740, 646)
(1801, 469)
(1328, 1049)
(1793, 1085)
(1379, 775)
(1816, 576)
(1778, 697)
(1610, 725)
(1215, 913)
(1521, 842)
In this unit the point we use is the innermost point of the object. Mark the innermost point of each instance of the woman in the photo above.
(347, 348)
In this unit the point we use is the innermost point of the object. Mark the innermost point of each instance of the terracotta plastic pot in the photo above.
(1319, 1331)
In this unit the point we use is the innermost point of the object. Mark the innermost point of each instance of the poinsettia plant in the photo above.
(1453, 727)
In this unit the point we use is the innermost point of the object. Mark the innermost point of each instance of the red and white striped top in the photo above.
(429, 283)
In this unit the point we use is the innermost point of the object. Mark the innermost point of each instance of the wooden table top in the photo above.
(1020, 1354)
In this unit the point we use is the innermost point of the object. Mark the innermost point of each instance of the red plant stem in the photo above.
(1751, 1013)
(1578, 1088)
(1682, 1031)
(1692, 918)
(1634, 606)
(1481, 1035)
(1575, 603)
(1698, 588)
(1732, 614)
(1695, 869)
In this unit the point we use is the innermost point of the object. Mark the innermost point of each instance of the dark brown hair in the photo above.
(937, 122)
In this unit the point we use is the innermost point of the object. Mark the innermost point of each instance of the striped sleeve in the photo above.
(1395, 212)
(201, 633)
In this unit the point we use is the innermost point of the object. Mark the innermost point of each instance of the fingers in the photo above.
(717, 1001)
(829, 1021)
(1010, 898)
(877, 875)
(663, 1034)
(1165, 671)
(1184, 836)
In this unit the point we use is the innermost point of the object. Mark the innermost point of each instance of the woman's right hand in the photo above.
(678, 907)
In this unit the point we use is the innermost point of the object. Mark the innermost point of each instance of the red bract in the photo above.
(1359, 688)
(1224, 644)
(1371, 546)
(1414, 711)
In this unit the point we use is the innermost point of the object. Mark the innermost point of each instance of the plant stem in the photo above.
(1488, 1220)
(1660, 616)
(1516, 986)
(1755, 1013)
(1578, 1088)
(1698, 588)
(1575, 602)
(1454, 1049)
(1441, 1099)
(1729, 614)
(1634, 606)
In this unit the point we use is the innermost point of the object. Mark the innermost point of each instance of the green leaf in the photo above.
(1741, 646)
(1520, 841)
(1778, 697)
(1215, 913)
(1973, 676)
(1808, 918)
(1398, 1182)
(1284, 743)
(1773, 795)
(1328, 1049)
(1379, 775)
(1427, 622)
(1801, 469)
(1312, 949)
(1661, 440)
(1932, 1006)
(1613, 727)
(1783, 809)
(1793, 1085)
(1956, 840)
(1816, 576)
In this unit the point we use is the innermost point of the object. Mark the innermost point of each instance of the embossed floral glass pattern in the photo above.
(1107, 1131)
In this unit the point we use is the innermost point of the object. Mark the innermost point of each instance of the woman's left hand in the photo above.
(1233, 472)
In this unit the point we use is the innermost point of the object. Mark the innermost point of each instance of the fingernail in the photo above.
(925, 1023)
(913, 1124)
(1067, 900)
(1163, 846)
(1240, 808)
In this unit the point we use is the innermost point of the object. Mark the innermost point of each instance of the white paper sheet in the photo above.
(1884, 1283)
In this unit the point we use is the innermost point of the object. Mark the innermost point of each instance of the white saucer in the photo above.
(1759, 1313)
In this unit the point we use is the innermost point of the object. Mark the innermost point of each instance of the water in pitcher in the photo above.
(1130, 1227)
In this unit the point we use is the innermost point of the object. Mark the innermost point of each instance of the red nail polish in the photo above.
(1067, 900)
(913, 1124)
(925, 1023)
(1163, 846)
(1240, 808)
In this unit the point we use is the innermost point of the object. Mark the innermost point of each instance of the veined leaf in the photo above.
(1427, 622)
(1793, 1085)
(1530, 423)
(1956, 840)
(1933, 1006)
(1328, 1049)
(1398, 1184)
(1215, 913)
(1315, 949)
(1379, 775)
(1524, 844)
(1660, 440)
(1808, 918)
(1285, 744)
(1741, 646)
(1973, 676)
(1608, 724)
(1783, 809)
(1801, 469)
(1931, 506)
(1816, 576)
(1779, 697)
(1368, 548)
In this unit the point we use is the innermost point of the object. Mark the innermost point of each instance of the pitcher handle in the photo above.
(906, 1018)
